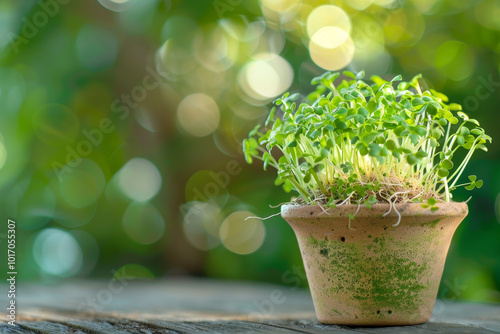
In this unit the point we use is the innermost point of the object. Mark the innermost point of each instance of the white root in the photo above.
(271, 216)
(390, 209)
(399, 217)
(392, 205)
(322, 208)
(355, 213)
(347, 199)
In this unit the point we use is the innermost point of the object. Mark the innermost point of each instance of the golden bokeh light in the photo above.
(403, 28)
(242, 236)
(383, 2)
(331, 48)
(198, 115)
(269, 43)
(215, 50)
(174, 59)
(327, 16)
(370, 54)
(296, 19)
(358, 4)
(279, 6)
(266, 77)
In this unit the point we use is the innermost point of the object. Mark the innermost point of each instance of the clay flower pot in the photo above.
(376, 274)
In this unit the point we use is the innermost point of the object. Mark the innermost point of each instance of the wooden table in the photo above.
(205, 306)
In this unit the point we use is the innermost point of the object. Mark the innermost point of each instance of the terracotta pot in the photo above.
(374, 274)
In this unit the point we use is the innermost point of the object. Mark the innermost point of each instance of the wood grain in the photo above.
(206, 306)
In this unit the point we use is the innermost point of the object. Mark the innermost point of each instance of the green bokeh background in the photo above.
(61, 76)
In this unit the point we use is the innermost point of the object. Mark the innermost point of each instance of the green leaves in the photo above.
(474, 183)
(431, 203)
(443, 172)
(250, 149)
(351, 138)
(446, 164)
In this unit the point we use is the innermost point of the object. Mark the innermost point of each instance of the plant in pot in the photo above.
(371, 164)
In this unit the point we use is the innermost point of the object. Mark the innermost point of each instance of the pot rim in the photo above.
(450, 209)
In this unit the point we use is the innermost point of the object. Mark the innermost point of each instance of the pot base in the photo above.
(374, 274)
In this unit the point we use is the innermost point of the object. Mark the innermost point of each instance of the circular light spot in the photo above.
(57, 252)
(96, 48)
(139, 179)
(266, 77)
(383, 2)
(71, 217)
(424, 6)
(214, 50)
(143, 223)
(198, 115)
(175, 58)
(403, 28)
(331, 48)
(82, 185)
(240, 236)
(455, 60)
(207, 186)
(359, 4)
(55, 124)
(201, 224)
(32, 202)
(328, 16)
(370, 54)
(279, 5)
(179, 27)
(254, 30)
(267, 46)
(115, 5)
(487, 14)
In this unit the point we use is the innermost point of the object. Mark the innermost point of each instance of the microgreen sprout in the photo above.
(363, 142)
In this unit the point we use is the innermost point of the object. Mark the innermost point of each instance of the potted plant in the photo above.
(371, 163)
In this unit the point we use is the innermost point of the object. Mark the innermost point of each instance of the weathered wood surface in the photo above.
(205, 306)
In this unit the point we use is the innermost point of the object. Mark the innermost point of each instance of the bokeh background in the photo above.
(121, 123)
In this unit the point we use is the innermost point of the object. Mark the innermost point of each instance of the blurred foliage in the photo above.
(120, 124)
